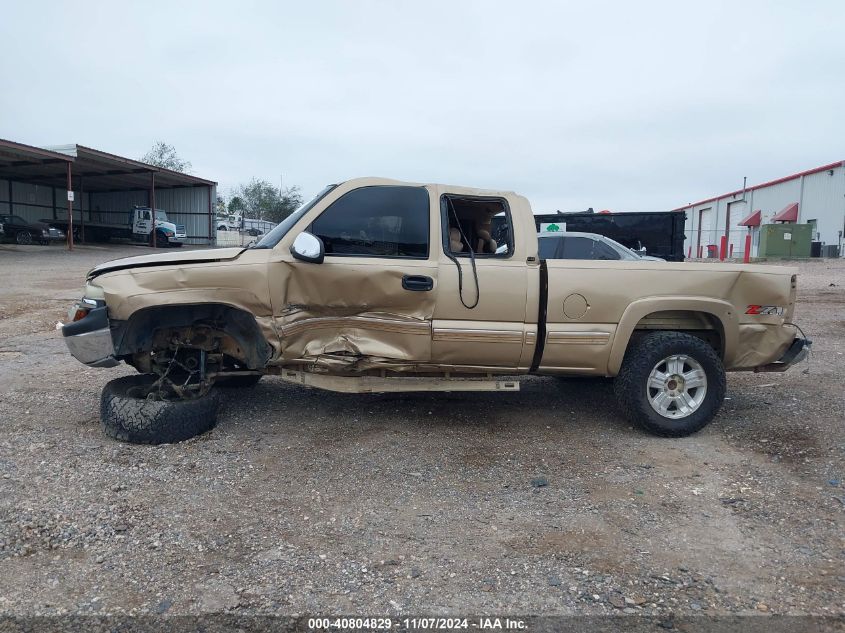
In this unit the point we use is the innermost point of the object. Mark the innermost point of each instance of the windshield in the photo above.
(275, 236)
(624, 251)
(161, 215)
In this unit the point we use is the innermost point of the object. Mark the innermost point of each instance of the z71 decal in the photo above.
(765, 310)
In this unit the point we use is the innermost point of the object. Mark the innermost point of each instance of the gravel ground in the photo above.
(541, 502)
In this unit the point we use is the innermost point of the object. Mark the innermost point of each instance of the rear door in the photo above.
(371, 302)
(486, 311)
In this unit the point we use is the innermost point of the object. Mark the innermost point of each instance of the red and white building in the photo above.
(815, 196)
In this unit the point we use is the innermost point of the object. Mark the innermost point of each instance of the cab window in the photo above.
(376, 222)
(477, 226)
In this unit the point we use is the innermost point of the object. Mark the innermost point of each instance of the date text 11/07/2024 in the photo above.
(416, 624)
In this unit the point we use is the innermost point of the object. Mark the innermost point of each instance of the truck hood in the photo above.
(167, 259)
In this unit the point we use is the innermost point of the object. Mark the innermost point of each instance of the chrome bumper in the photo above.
(89, 339)
(95, 349)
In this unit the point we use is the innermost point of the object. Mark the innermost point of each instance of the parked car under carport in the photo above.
(14, 227)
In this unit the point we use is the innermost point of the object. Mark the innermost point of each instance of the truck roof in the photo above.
(370, 181)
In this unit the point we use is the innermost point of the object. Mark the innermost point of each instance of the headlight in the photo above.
(169, 233)
(45, 232)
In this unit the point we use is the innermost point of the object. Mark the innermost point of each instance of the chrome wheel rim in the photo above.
(676, 386)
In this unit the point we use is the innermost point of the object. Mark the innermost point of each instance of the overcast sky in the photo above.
(625, 105)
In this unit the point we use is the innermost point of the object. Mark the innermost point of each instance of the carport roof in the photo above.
(98, 170)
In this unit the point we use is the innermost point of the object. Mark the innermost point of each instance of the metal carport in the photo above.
(34, 183)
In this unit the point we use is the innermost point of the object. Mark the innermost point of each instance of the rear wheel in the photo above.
(672, 384)
(23, 237)
(131, 412)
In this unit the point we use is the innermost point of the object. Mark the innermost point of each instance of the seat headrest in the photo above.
(455, 243)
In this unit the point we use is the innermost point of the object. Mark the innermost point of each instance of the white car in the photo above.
(575, 245)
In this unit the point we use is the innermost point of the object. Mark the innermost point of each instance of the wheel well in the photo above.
(235, 332)
(703, 325)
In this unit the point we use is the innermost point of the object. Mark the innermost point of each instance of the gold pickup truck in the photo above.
(377, 285)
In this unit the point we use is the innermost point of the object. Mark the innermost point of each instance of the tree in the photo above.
(260, 200)
(220, 205)
(164, 155)
(236, 206)
(289, 201)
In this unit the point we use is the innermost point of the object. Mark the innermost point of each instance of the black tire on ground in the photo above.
(23, 237)
(130, 418)
(238, 382)
(633, 391)
(161, 240)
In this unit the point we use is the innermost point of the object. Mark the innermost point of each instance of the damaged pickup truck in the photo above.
(382, 286)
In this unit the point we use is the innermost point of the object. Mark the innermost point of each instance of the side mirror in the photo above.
(308, 248)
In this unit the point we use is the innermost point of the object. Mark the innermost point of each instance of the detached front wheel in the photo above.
(130, 414)
(672, 384)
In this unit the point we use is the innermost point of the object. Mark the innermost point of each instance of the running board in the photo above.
(379, 384)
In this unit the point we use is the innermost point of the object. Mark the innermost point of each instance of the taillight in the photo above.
(80, 313)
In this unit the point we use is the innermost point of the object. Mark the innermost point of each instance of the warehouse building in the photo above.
(779, 217)
(35, 183)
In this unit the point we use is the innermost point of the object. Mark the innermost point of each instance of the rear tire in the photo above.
(671, 384)
(23, 237)
(129, 417)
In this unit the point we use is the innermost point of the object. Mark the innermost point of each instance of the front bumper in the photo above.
(798, 351)
(89, 339)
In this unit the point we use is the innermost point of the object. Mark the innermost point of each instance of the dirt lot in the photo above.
(541, 502)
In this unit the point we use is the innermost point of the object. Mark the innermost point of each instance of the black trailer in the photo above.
(661, 232)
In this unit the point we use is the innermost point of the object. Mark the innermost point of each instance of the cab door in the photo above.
(143, 222)
(487, 305)
(370, 303)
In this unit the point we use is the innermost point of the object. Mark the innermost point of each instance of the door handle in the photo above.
(420, 283)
